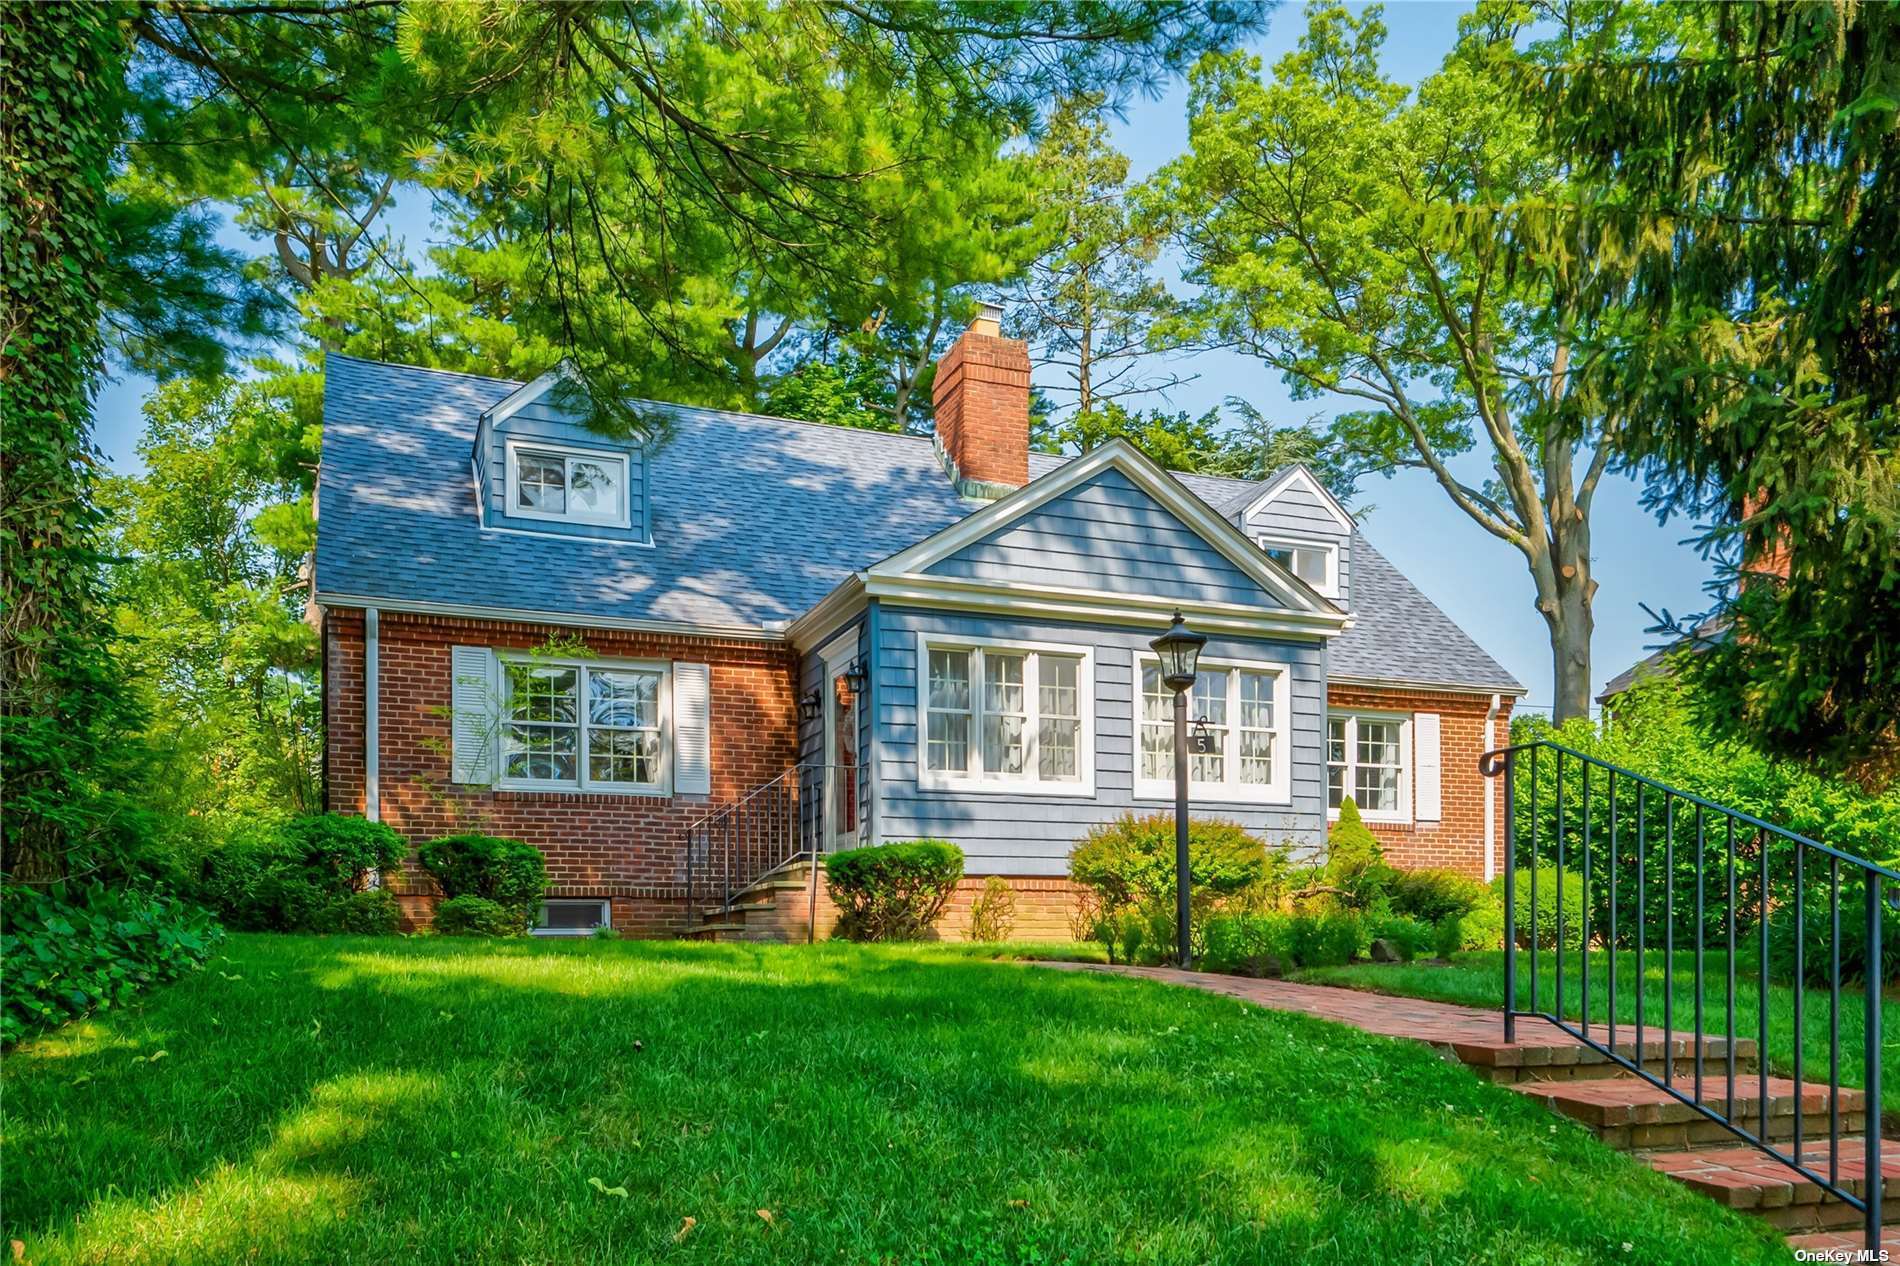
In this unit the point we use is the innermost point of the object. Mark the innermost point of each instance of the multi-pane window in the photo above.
(1000, 712)
(1237, 707)
(583, 725)
(556, 483)
(1365, 760)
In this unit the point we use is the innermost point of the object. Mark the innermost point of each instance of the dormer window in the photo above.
(567, 485)
(1316, 562)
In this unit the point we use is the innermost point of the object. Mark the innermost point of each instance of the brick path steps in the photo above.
(1742, 1178)
(777, 907)
(1622, 1110)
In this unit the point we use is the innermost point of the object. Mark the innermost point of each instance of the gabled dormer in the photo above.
(539, 468)
(1302, 527)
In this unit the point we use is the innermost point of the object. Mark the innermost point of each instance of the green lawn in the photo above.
(1478, 980)
(352, 1100)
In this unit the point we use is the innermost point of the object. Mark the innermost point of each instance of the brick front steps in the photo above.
(1621, 1109)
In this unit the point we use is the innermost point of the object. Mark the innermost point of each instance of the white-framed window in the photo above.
(567, 485)
(562, 916)
(998, 715)
(586, 725)
(1369, 760)
(1243, 705)
(1312, 560)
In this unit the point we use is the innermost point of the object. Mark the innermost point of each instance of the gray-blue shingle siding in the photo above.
(1032, 835)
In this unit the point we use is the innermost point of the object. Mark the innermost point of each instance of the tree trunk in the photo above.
(1567, 602)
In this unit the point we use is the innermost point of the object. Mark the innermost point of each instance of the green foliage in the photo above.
(66, 716)
(892, 892)
(993, 913)
(1327, 938)
(1248, 944)
(1538, 912)
(1655, 730)
(372, 912)
(478, 916)
(1742, 215)
(1410, 937)
(511, 874)
(1480, 928)
(71, 952)
(1433, 895)
(1129, 868)
(1314, 212)
(1356, 868)
(211, 605)
(303, 875)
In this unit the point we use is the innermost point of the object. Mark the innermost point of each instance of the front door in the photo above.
(841, 753)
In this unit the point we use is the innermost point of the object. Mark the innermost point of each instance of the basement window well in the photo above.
(573, 918)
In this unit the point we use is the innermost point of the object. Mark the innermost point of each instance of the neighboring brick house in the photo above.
(698, 660)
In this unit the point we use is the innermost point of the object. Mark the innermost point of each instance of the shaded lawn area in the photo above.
(428, 1100)
(1477, 979)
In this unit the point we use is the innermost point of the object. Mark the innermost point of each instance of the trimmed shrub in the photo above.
(1355, 864)
(1410, 937)
(1434, 895)
(993, 913)
(66, 954)
(1542, 922)
(372, 912)
(287, 877)
(507, 872)
(1130, 861)
(478, 916)
(892, 892)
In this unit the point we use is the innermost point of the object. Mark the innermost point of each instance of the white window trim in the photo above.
(1403, 815)
(1328, 549)
(585, 785)
(1279, 791)
(606, 916)
(1031, 783)
(622, 516)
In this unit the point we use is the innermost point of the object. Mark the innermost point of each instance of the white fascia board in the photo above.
(818, 622)
(1095, 607)
(1298, 475)
(526, 394)
(1206, 523)
(562, 619)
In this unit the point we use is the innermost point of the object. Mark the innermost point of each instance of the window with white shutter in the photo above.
(1425, 767)
(473, 703)
(692, 726)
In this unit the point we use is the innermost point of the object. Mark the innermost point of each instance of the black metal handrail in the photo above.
(1615, 832)
(732, 847)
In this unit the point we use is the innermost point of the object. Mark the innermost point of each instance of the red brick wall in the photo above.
(980, 397)
(630, 848)
(1456, 840)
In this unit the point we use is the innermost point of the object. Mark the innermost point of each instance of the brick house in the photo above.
(684, 667)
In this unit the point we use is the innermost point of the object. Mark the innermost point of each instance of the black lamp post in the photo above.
(1180, 651)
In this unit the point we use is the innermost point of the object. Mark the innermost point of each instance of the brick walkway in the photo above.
(1625, 1112)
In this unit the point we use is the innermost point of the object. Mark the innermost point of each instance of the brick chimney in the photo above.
(981, 399)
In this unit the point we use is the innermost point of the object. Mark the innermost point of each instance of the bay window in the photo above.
(1366, 761)
(1242, 708)
(1000, 715)
(586, 725)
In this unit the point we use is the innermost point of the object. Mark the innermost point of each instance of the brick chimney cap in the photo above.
(988, 319)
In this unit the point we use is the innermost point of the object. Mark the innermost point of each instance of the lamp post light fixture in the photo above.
(1179, 650)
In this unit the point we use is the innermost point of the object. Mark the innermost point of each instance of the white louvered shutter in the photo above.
(1425, 767)
(475, 704)
(692, 729)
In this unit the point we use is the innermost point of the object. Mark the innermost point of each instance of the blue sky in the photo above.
(1480, 581)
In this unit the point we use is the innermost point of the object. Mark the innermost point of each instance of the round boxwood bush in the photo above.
(1542, 923)
(478, 916)
(1434, 894)
(287, 877)
(1130, 861)
(507, 872)
(892, 892)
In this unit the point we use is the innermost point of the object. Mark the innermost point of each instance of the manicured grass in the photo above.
(352, 1100)
(1478, 980)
